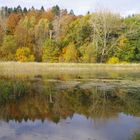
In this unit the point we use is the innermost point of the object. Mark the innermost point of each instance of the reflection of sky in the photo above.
(77, 128)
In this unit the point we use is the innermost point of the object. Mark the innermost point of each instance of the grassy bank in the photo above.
(16, 68)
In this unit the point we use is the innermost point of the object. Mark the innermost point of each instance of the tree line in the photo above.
(58, 35)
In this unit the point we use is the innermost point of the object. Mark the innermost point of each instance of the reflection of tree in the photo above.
(39, 99)
(108, 103)
(12, 90)
(136, 136)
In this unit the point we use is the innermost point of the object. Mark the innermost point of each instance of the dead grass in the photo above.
(17, 68)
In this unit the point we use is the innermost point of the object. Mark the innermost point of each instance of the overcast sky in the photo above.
(124, 7)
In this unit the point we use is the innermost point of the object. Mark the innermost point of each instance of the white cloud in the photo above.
(77, 128)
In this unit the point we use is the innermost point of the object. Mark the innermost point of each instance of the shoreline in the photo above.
(72, 65)
(34, 68)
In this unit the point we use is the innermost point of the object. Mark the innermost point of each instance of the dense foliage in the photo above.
(57, 35)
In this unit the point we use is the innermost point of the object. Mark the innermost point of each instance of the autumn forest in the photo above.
(58, 35)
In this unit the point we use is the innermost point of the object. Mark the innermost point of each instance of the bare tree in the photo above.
(104, 24)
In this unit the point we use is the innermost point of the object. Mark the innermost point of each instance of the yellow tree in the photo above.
(41, 33)
(71, 53)
(1, 35)
(88, 52)
(24, 55)
(24, 33)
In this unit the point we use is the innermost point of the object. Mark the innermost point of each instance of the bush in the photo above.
(24, 55)
(124, 62)
(113, 60)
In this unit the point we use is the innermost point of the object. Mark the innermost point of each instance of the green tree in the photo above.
(80, 31)
(56, 10)
(131, 51)
(88, 53)
(25, 10)
(50, 51)
(41, 33)
(8, 48)
(42, 9)
(19, 9)
(72, 12)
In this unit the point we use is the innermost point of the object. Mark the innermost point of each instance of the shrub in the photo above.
(113, 60)
(24, 55)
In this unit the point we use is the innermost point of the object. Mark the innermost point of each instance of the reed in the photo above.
(34, 68)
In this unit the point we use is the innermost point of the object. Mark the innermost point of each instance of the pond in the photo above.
(95, 106)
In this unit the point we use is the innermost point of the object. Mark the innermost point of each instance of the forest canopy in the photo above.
(56, 35)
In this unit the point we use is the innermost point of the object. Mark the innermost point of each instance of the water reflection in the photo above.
(39, 108)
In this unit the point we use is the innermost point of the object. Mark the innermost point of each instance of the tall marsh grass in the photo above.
(33, 68)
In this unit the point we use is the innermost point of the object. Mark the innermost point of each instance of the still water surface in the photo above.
(70, 107)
